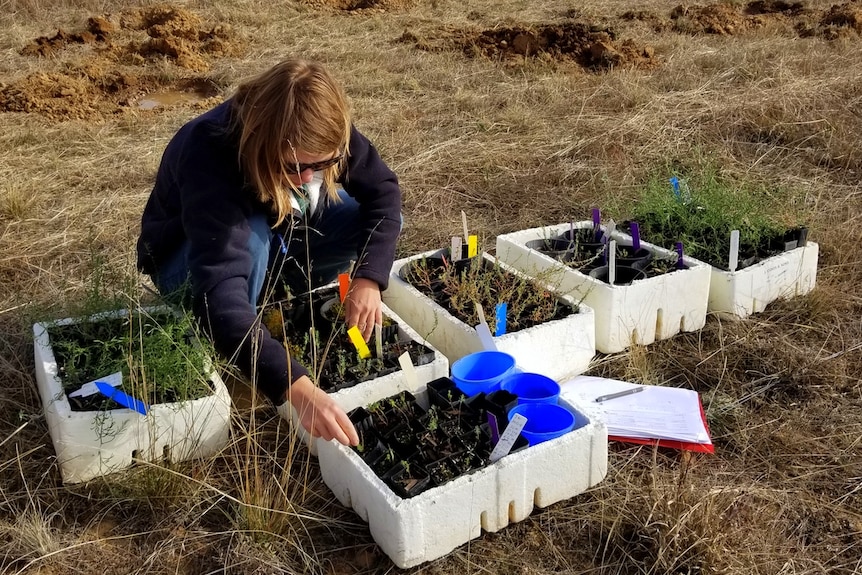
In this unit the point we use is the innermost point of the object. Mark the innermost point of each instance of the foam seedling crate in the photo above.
(558, 348)
(387, 385)
(642, 312)
(740, 293)
(93, 443)
(435, 522)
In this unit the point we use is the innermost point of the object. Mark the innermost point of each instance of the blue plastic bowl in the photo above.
(532, 387)
(545, 421)
(482, 371)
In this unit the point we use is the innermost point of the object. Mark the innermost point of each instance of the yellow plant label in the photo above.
(358, 342)
(472, 246)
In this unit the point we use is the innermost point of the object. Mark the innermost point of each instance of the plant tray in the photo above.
(649, 309)
(559, 348)
(93, 443)
(433, 523)
(741, 293)
(384, 386)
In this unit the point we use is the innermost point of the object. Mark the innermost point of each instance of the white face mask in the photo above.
(311, 190)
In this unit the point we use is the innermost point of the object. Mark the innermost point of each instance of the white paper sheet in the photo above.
(657, 412)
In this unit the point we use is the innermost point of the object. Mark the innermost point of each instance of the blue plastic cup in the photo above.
(545, 421)
(532, 387)
(482, 371)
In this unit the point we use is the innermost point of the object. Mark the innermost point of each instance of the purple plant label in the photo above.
(495, 431)
(597, 222)
(500, 313)
(636, 236)
(679, 262)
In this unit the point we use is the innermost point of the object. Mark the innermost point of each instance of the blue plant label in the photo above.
(500, 312)
(122, 398)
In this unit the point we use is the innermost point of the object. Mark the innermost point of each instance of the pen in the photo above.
(630, 391)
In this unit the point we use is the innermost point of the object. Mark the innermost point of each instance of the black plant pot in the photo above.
(467, 461)
(394, 410)
(585, 238)
(464, 263)
(441, 471)
(790, 241)
(557, 248)
(407, 479)
(370, 449)
(628, 256)
(499, 403)
(403, 439)
(444, 393)
(624, 275)
(361, 419)
(425, 271)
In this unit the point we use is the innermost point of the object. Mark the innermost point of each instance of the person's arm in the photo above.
(319, 414)
(216, 209)
(375, 187)
(364, 306)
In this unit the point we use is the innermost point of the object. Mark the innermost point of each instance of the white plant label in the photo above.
(455, 251)
(507, 440)
(89, 388)
(409, 371)
(485, 337)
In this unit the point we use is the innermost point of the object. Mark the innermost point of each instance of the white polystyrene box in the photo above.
(435, 522)
(388, 385)
(647, 310)
(749, 290)
(93, 443)
(558, 348)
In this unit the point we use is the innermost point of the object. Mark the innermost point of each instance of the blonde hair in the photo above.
(295, 105)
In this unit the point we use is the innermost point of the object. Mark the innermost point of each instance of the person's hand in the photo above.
(319, 414)
(363, 306)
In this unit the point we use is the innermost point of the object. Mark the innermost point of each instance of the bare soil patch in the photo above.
(116, 63)
(364, 5)
(730, 19)
(589, 46)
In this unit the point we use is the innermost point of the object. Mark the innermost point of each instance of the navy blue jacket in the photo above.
(201, 195)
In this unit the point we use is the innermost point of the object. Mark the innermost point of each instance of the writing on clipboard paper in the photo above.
(671, 416)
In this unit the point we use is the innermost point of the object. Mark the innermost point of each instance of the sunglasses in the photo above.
(298, 168)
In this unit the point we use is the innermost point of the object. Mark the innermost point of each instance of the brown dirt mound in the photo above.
(591, 47)
(775, 7)
(842, 16)
(113, 74)
(658, 23)
(729, 19)
(364, 5)
(98, 29)
(722, 19)
(95, 91)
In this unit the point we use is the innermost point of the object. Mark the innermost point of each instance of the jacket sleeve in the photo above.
(375, 187)
(215, 213)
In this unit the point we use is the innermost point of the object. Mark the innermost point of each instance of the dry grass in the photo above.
(515, 142)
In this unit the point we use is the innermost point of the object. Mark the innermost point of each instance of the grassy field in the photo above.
(521, 114)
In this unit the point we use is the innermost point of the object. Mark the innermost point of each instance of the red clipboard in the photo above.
(671, 443)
